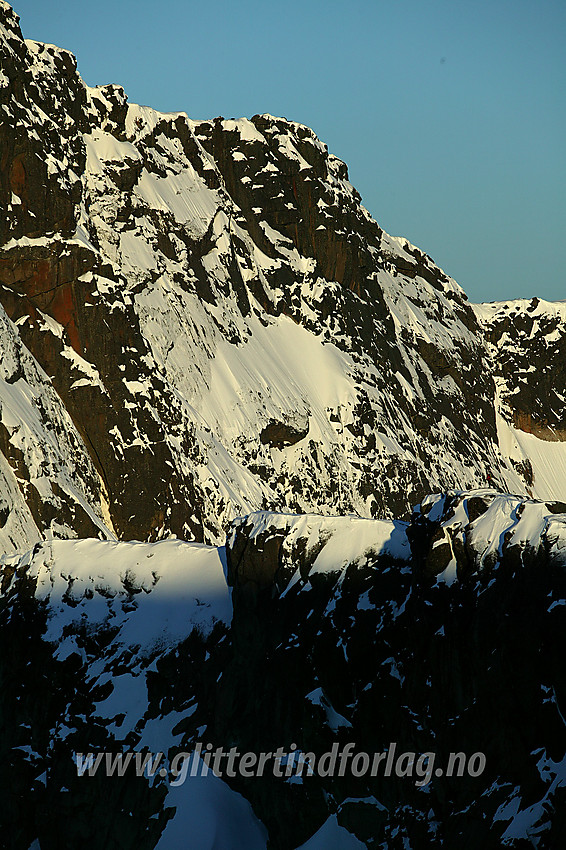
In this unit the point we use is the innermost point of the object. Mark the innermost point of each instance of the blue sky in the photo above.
(451, 116)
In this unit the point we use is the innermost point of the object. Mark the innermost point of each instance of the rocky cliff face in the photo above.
(221, 318)
(525, 340)
(529, 339)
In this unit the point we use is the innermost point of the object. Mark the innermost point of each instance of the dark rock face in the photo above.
(433, 667)
(48, 481)
(529, 350)
(340, 633)
(281, 434)
(69, 678)
(37, 694)
(34, 166)
(297, 197)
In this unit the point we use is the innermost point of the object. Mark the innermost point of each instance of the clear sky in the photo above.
(450, 114)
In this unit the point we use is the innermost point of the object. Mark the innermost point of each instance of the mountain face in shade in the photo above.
(443, 634)
(204, 335)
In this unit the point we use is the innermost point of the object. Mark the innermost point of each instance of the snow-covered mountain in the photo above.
(224, 323)
(203, 333)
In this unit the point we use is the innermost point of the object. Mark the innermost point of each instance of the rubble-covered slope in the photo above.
(444, 634)
(226, 325)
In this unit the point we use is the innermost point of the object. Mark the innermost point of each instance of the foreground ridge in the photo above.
(440, 635)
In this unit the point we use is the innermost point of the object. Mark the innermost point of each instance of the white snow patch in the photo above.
(332, 836)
